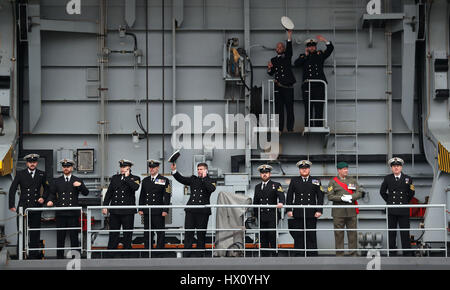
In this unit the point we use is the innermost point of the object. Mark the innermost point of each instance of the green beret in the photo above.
(341, 165)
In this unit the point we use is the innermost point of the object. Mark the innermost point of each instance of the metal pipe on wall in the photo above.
(102, 91)
(248, 134)
(163, 63)
(146, 80)
(388, 36)
(174, 66)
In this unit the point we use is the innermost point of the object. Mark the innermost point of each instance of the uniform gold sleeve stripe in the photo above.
(443, 159)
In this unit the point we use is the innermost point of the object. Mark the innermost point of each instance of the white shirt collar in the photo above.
(67, 176)
(154, 176)
(399, 176)
(265, 183)
(303, 178)
(31, 171)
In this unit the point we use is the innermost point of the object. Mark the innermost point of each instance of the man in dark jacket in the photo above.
(64, 192)
(121, 191)
(34, 191)
(304, 190)
(268, 192)
(202, 186)
(280, 67)
(156, 190)
(397, 188)
(312, 63)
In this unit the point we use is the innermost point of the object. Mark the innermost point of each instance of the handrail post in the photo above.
(276, 230)
(304, 230)
(150, 234)
(387, 231)
(88, 234)
(20, 233)
(259, 232)
(309, 104)
(26, 233)
(325, 107)
(81, 230)
(445, 230)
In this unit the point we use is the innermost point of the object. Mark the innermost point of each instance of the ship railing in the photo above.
(256, 249)
(27, 229)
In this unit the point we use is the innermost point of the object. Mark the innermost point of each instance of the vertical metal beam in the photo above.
(34, 63)
(174, 67)
(178, 11)
(248, 134)
(163, 83)
(20, 234)
(408, 65)
(130, 12)
(177, 20)
(388, 37)
(102, 90)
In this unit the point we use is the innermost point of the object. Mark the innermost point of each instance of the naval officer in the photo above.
(34, 190)
(64, 192)
(121, 191)
(312, 63)
(397, 189)
(202, 186)
(156, 190)
(268, 192)
(280, 67)
(304, 190)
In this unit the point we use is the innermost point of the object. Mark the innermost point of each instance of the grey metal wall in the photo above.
(69, 117)
(67, 56)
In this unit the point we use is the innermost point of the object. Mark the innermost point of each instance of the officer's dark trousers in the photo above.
(155, 222)
(66, 222)
(284, 98)
(126, 221)
(268, 238)
(198, 221)
(299, 237)
(403, 222)
(317, 93)
(34, 222)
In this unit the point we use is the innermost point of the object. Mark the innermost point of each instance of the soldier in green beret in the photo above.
(344, 190)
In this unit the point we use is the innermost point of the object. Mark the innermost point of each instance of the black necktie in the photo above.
(153, 180)
(67, 179)
(397, 178)
(264, 185)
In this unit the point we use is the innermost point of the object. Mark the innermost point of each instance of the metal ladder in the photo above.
(271, 125)
(345, 69)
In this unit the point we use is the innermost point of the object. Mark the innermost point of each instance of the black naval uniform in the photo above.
(121, 191)
(30, 192)
(313, 69)
(196, 218)
(284, 91)
(155, 192)
(268, 218)
(64, 194)
(399, 191)
(304, 191)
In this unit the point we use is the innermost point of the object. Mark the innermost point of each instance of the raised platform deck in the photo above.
(233, 264)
